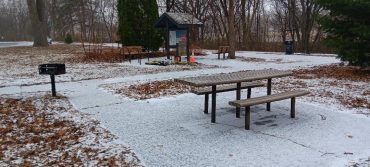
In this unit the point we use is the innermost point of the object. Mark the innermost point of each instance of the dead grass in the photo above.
(55, 49)
(114, 55)
(33, 56)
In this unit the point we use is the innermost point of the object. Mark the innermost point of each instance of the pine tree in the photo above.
(152, 36)
(136, 23)
(348, 28)
(128, 14)
(68, 39)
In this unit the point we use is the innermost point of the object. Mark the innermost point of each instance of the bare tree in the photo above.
(299, 18)
(15, 23)
(37, 12)
(108, 15)
(169, 5)
(248, 19)
(231, 30)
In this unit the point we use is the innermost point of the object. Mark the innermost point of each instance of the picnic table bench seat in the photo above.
(266, 99)
(222, 50)
(134, 52)
(206, 91)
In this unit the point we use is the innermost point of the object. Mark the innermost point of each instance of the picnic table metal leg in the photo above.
(218, 55)
(238, 88)
(213, 114)
(247, 117)
(224, 55)
(292, 108)
(206, 99)
(268, 106)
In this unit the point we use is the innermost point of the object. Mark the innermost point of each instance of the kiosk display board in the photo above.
(176, 36)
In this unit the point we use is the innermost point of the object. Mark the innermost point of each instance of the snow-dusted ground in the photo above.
(173, 131)
(12, 44)
(19, 65)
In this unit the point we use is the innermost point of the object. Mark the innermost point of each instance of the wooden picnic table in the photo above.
(232, 78)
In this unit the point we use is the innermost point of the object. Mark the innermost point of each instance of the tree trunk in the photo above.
(244, 24)
(83, 23)
(231, 30)
(38, 18)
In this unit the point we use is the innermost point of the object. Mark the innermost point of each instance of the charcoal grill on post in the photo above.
(52, 70)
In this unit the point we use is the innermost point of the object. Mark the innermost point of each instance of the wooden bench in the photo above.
(267, 99)
(134, 52)
(223, 50)
(208, 90)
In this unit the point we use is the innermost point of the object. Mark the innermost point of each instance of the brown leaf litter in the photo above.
(334, 71)
(42, 131)
(347, 84)
(153, 89)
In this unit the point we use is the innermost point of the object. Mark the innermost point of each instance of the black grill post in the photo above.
(52, 70)
(52, 77)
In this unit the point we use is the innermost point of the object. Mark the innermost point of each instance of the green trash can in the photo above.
(289, 47)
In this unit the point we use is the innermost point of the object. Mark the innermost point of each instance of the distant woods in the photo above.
(88, 20)
(14, 19)
(258, 24)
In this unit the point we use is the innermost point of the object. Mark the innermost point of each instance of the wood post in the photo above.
(292, 108)
(238, 88)
(268, 106)
(206, 99)
(249, 93)
(188, 45)
(213, 114)
(247, 117)
(167, 40)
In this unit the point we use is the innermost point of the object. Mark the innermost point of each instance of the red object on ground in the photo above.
(192, 57)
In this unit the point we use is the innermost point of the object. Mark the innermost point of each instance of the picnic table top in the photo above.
(235, 77)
